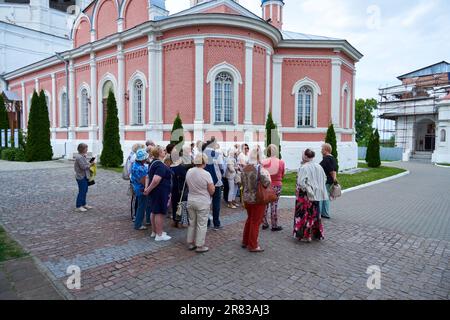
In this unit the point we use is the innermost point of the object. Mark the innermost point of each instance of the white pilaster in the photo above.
(93, 37)
(154, 131)
(24, 106)
(268, 74)
(72, 104)
(353, 104)
(53, 130)
(120, 25)
(36, 85)
(121, 90)
(248, 81)
(199, 89)
(276, 94)
(94, 104)
(335, 90)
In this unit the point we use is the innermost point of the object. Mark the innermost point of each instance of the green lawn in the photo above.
(9, 249)
(118, 170)
(346, 180)
(444, 164)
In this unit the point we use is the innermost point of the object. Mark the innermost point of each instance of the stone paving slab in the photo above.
(20, 279)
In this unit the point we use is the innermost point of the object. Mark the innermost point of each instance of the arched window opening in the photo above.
(223, 101)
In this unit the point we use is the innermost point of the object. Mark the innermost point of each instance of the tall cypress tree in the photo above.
(271, 127)
(4, 121)
(373, 150)
(112, 155)
(33, 129)
(176, 139)
(331, 139)
(45, 147)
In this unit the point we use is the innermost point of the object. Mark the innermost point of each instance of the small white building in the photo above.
(421, 111)
(32, 30)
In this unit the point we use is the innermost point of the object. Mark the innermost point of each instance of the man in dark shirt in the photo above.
(329, 165)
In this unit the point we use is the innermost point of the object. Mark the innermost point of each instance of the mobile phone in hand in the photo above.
(92, 160)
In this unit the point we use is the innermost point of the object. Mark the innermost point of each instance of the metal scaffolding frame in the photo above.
(407, 101)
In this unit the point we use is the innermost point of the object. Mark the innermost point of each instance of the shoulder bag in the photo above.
(264, 195)
(335, 190)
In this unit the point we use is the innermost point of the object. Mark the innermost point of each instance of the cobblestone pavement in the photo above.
(36, 207)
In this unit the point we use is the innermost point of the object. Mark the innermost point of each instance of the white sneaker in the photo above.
(163, 237)
(153, 235)
(88, 207)
(80, 209)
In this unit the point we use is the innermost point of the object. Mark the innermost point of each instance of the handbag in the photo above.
(180, 207)
(264, 195)
(335, 190)
(237, 178)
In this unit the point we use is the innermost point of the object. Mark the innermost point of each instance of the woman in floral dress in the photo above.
(311, 188)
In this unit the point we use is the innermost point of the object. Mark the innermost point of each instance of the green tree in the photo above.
(331, 139)
(112, 155)
(38, 146)
(4, 121)
(364, 119)
(177, 137)
(272, 135)
(373, 150)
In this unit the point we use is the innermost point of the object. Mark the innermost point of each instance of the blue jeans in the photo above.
(141, 209)
(216, 206)
(324, 206)
(82, 192)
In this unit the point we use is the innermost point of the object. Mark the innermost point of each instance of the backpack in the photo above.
(126, 172)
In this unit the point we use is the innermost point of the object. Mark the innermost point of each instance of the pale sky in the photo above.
(396, 37)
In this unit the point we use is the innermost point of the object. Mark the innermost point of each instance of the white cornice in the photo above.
(174, 22)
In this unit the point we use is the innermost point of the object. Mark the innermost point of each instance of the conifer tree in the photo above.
(271, 128)
(373, 150)
(112, 155)
(4, 121)
(177, 137)
(331, 139)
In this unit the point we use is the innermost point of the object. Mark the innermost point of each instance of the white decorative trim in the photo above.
(268, 76)
(53, 101)
(76, 24)
(237, 80)
(137, 75)
(316, 93)
(72, 100)
(93, 76)
(249, 45)
(335, 91)
(83, 86)
(105, 78)
(199, 81)
(345, 108)
(24, 124)
(60, 100)
(276, 90)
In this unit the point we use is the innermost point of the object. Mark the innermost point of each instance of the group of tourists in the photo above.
(190, 183)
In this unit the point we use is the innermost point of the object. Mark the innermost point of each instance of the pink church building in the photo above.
(220, 66)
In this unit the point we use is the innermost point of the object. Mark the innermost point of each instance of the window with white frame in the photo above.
(138, 102)
(64, 111)
(84, 108)
(223, 98)
(304, 106)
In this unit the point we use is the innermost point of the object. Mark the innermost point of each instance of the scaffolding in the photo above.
(403, 104)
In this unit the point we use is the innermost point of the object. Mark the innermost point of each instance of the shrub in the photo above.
(38, 147)
(373, 151)
(331, 139)
(271, 127)
(11, 154)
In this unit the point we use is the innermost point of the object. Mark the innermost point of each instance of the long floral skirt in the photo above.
(307, 220)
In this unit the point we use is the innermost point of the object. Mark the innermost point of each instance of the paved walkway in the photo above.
(376, 226)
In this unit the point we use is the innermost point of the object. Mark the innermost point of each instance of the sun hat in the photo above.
(141, 155)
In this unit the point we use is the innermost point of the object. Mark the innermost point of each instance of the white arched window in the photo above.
(224, 80)
(345, 107)
(443, 135)
(138, 102)
(64, 121)
(84, 108)
(223, 98)
(304, 109)
(306, 93)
